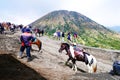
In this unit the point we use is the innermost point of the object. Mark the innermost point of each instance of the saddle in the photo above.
(78, 51)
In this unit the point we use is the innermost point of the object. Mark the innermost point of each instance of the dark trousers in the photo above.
(28, 48)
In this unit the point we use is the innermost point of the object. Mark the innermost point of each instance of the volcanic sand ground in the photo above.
(48, 64)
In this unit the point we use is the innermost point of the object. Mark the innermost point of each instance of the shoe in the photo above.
(29, 59)
(19, 57)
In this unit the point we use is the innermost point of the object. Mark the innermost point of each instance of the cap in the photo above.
(27, 30)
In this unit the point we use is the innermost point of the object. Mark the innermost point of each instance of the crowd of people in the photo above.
(6, 26)
(71, 37)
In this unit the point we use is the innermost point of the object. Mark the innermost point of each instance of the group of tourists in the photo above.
(27, 36)
(71, 37)
(7, 26)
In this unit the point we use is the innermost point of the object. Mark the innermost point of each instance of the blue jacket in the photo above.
(26, 39)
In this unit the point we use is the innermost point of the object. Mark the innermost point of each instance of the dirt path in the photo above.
(50, 64)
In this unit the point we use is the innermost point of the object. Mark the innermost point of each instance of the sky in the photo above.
(104, 12)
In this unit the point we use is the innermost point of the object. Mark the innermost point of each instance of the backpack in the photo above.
(116, 67)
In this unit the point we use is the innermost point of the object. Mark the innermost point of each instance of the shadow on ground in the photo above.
(12, 69)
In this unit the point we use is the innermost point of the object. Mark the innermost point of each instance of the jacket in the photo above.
(26, 39)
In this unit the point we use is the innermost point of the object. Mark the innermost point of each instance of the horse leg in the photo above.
(66, 63)
(39, 34)
(74, 67)
(40, 46)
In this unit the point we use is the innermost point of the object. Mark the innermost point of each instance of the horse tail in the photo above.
(94, 64)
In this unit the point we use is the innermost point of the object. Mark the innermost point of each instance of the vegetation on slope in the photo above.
(90, 33)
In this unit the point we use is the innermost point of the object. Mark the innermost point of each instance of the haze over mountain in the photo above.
(90, 33)
(115, 28)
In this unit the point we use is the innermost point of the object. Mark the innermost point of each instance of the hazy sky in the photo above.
(104, 12)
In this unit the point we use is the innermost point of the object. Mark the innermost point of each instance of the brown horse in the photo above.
(89, 60)
(37, 42)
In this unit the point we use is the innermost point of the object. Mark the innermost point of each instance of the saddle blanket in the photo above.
(78, 53)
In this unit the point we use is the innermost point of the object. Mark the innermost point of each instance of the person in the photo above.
(26, 39)
(23, 29)
(75, 36)
(42, 32)
(63, 35)
(74, 45)
(77, 50)
(69, 37)
(1, 28)
(59, 34)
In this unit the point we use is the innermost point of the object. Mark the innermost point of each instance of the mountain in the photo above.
(68, 19)
(90, 33)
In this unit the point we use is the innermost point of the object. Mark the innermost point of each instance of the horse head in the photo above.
(64, 46)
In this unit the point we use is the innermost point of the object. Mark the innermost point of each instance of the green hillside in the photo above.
(90, 33)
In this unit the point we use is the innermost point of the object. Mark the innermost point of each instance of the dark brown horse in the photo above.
(38, 32)
(89, 60)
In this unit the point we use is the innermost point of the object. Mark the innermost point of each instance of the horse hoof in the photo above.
(66, 63)
(40, 51)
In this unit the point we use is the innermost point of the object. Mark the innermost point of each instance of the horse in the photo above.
(37, 42)
(39, 31)
(89, 59)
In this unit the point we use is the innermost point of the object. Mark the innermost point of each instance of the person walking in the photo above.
(58, 34)
(75, 36)
(63, 35)
(26, 39)
(69, 37)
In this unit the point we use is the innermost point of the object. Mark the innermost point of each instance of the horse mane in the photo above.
(67, 45)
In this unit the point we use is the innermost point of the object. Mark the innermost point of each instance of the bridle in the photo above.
(66, 47)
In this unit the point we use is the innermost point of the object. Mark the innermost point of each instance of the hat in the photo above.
(27, 30)
(27, 26)
(74, 44)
